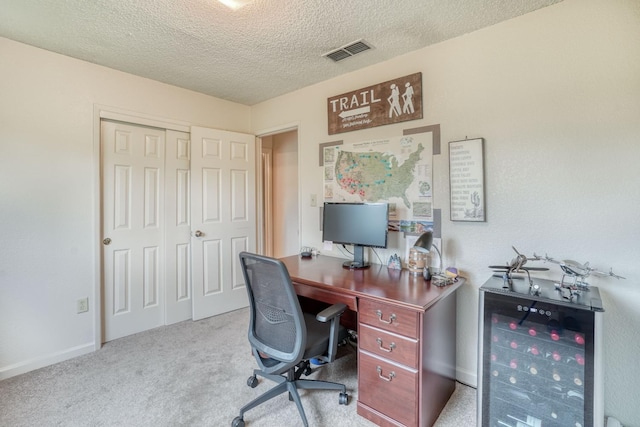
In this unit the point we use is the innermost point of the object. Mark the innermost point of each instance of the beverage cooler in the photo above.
(540, 355)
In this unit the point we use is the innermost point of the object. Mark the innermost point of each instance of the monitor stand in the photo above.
(358, 259)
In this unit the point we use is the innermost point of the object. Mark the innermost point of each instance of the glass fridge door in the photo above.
(537, 363)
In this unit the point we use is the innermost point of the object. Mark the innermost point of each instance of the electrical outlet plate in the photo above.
(83, 305)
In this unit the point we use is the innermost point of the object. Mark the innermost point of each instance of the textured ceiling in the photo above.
(265, 49)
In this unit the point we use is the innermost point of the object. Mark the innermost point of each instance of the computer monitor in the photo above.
(357, 224)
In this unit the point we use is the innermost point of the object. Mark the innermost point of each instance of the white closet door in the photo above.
(133, 222)
(223, 219)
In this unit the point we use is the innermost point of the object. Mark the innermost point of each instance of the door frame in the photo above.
(264, 202)
(135, 118)
(259, 184)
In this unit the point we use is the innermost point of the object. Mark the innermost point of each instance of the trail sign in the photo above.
(393, 101)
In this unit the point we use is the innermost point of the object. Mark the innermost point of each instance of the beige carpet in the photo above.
(188, 374)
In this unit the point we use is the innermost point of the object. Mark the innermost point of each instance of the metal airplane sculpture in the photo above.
(576, 272)
(517, 265)
(573, 272)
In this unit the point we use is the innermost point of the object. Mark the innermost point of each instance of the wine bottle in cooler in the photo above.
(554, 334)
(509, 341)
(496, 371)
(514, 343)
(533, 368)
(578, 338)
(495, 319)
(554, 355)
(577, 379)
(535, 349)
(561, 415)
(555, 330)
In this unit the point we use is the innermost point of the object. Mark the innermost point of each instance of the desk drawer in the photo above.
(390, 346)
(329, 297)
(388, 317)
(389, 388)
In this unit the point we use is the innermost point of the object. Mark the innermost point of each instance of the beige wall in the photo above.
(556, 95)
(48, 191)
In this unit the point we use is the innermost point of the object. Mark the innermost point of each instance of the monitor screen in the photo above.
(358, 224)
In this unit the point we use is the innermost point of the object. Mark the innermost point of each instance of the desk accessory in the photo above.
(441, 281)
(424, 245)
(417, 261)
(394, 262)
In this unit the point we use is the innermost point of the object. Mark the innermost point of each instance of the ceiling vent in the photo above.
(348, 51)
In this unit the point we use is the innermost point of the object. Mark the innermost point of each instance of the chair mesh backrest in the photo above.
(277, 321)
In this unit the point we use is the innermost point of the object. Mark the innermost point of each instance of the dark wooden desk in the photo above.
(406, 336)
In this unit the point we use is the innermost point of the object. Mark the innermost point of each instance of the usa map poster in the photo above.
(396, 170)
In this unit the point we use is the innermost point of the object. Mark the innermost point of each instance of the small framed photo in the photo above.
(466, 180)
(327, 152)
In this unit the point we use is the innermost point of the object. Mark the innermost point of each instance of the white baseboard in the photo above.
(41, 362)
(612, 422)
(466, 377)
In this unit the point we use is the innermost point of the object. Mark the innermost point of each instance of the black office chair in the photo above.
(282, 337)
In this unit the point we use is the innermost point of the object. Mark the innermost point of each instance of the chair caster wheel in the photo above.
(253, 383)
(237, 422)
(343, 399)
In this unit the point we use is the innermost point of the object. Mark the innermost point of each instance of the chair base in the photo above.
(290, 383)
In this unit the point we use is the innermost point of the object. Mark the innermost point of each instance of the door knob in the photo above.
(107, 241)
(198, 233)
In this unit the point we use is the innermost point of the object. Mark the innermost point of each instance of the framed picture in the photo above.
(466, 180)
(327, 152)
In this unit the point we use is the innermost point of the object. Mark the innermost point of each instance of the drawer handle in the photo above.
(388, 350)
(388, 322)
(389, 378)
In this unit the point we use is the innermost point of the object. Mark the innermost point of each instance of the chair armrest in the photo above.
(331, 312)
